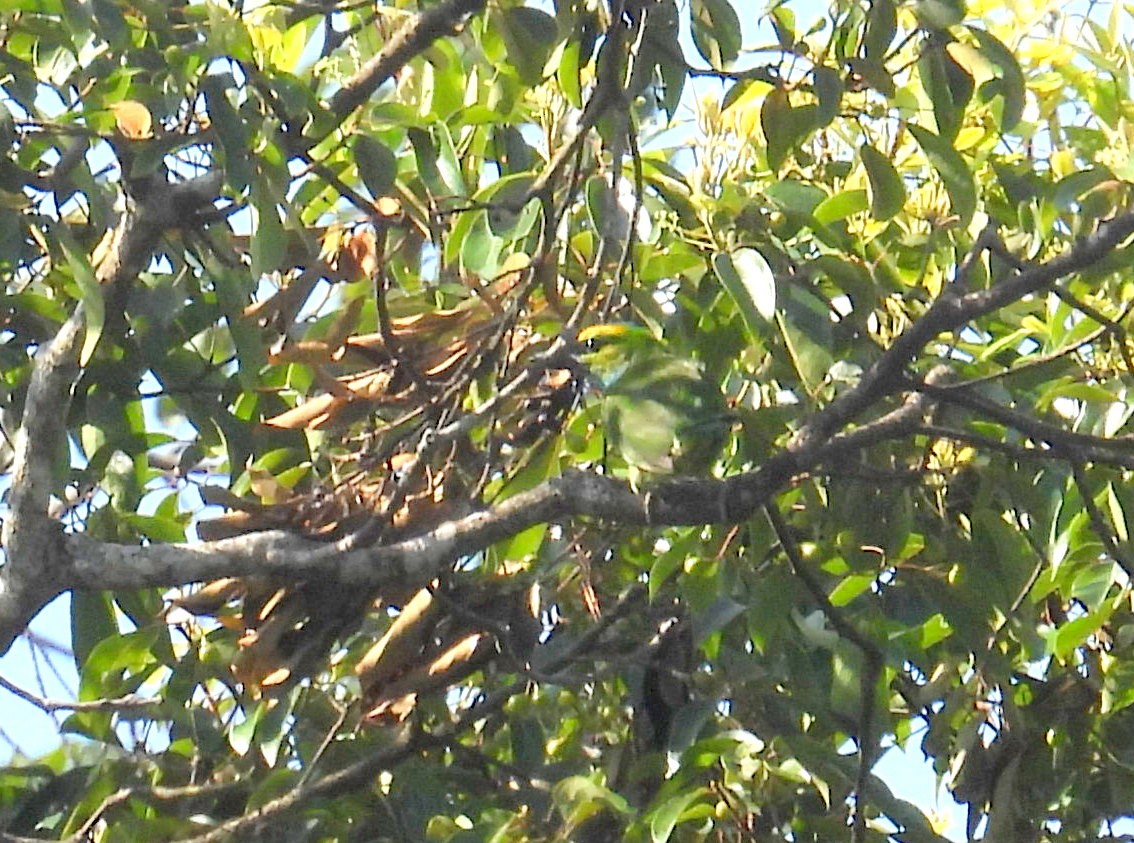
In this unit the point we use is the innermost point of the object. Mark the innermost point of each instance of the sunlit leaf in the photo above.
(750, 281)
(1013, 87)
(667, 815)
(133, 119)
(841, 205)
(949, 88)
(954, 172)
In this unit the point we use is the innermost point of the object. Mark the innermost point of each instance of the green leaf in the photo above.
(1066, 639)
(881, 26)
(578, 797)
(1013, 87)
(949, 88)
(7, 127)
(119, 664)
(794, 196)
(154, 528)
(92, 621)
(850, 588)
(665, 817)
(437, 161)
(810, 360)
(840, 206)
(846, 680)
(783, 22)
(94, 305)
(377, 165)
(480, 249)
(597, 195)
(829, 89)
(269, 238)
(935, 630)
(955, 173)
(720, 613)
(511, 211)
(887, 190)
(642, 431)
(240, 735)
(530, 34)
(528, 741)
(939, 14)
(673, 72)
(776, 120)
(716, 31)
(785, 126)
(568, 74)
(231, 130)
(749, 279)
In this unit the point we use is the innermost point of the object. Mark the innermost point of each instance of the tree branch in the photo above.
(952, 310)
(131, 701)
(341, 781)
(873, 660)
(36, 569)
(416, 36)
(77, 561)
(1115, 451)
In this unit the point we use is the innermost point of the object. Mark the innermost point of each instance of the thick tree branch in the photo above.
(33, 571)
(582, 494)
(99, 565)
(87, 564)
(416, 560)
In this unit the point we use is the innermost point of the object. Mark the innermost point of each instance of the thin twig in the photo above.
(1112, 451)
(873, 659)
(1099, 521)
(128, 702)
(332, 733)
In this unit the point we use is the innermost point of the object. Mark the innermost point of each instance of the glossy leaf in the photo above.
(530, 34)
(750, 281)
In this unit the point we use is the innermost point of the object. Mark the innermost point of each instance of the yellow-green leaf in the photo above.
(955, 173)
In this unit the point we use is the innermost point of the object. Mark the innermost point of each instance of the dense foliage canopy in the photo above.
(599, 420)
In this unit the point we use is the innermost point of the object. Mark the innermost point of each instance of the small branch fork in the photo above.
(409, 41)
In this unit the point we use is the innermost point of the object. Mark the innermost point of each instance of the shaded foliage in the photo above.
(365, 274)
